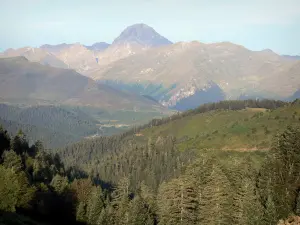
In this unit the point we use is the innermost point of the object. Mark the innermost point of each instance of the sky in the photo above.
(255, 24)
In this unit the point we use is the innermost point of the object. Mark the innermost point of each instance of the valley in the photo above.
(142, 130)
(44, 94)
(227, 144)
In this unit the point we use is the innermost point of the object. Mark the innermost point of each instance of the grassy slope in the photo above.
(247, 129)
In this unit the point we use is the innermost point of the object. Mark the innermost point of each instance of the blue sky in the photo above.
(256, 24)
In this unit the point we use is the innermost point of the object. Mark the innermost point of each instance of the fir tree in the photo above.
(95, 205)
(216, 200)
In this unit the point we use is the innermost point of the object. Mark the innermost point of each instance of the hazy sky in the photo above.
(256, 24)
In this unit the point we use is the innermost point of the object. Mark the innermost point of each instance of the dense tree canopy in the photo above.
(126, 182)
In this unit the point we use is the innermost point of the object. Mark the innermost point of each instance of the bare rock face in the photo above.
(292, 220)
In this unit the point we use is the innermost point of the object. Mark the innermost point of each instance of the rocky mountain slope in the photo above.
(181, 75)
(183, 70)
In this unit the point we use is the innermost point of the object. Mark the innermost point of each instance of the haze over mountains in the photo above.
(60, 106)
(143, 130)
(22, 80)
(181, 75)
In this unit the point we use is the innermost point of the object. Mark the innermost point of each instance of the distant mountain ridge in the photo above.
(26, 81)
(99, 46)
(296, 57)
(55, 48)
(39, 55)
(178, 72)
(178, 75)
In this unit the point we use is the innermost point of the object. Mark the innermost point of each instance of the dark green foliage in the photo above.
(8, 190)
(4, 140)
(19, 143)
(95, 205)
(134, 181)
(12, 161)
(59, 184)
(178, 202)
(279, 178)
(33, 183)
(113, 158)
(14, 190)
(47, 120)
(139, 212)
(216, 199)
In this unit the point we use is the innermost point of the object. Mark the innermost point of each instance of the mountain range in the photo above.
(24, 81)
(179, 75)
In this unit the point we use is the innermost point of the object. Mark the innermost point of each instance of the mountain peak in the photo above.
(141, 34)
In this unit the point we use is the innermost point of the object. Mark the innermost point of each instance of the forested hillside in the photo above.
(60, 125)
(50, 138)
(151, 175)
(216, 188)
(238, 124)
(54, 125)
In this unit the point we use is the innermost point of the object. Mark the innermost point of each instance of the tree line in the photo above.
(222, 105)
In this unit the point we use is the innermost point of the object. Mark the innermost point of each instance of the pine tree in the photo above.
(287, 154)
(14, 190)
(42, 169)
(81, 212)
(270, 215)
(9, 189)
(280, 175)
(4, 141)
(26, 192)
(19, 143)
(120, 201)
(107, 216)
(59, 183)
(95, 205)
(139, 213)
(149, 198)
(12, 160)
(247, 208)
(216, 200)
(102, 219)
(177, 202)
